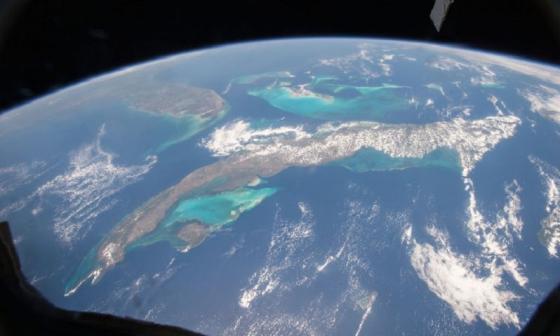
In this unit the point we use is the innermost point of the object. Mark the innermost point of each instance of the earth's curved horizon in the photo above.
(295, 186)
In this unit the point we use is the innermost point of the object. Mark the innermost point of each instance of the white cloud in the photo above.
(87, 188)
(457, 280)
(448, 64)
(473, 284)
(536, 70)
(14, 176)
(496, 238)
(484, 74)
(544, 101)
(368, 62)
(291, 268)
(239, 136)
(288, 239)
(436, 87)
(550, 225)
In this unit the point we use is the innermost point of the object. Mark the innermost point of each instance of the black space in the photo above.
(45, 45)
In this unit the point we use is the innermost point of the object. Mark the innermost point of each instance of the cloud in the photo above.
(473, 284)
(86, 188)
(14, 176)
(495, 238)
(239, 136)
(549, 234)
(291, 269)
(287, 240)
(545, 101)
(457, 280)
(295, 146)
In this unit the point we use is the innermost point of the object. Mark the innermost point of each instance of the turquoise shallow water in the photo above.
(328, 101)
(219, 209)
(187, 127)
(87, 265)
(214, 211)
(372, 160)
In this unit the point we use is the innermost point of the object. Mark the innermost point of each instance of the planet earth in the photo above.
(295, 187)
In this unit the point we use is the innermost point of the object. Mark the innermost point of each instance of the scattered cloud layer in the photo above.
(544, 100)
(292, 266)
(550, 225)
(87, 188)
(82, 192)
(473, 284)
(457, 280)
